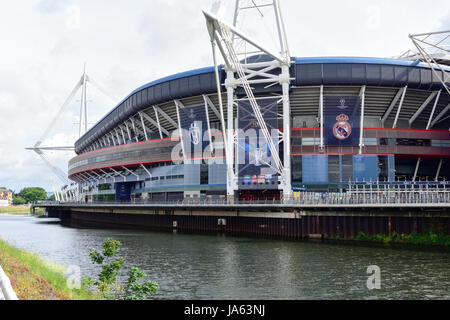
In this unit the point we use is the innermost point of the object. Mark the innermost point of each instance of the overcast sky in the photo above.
(127, 43)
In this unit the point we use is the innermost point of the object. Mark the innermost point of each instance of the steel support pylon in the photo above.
(244, 73)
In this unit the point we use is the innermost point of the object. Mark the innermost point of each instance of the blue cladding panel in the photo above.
(373, 75)
(391, 168)
(165, 91)
(358, 74)
(315, 168)
(217, 173)
(365, 168)
(191, 174)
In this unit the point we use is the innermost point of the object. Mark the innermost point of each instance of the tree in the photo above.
(52, 197)
(107, 284)
(34, 194)
(18, 200)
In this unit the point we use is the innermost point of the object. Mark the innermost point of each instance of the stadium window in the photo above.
(440, 143)
(204, 172)
(309, 142)
(296, 169)
(370, 141)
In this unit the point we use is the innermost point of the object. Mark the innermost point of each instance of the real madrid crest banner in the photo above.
(342, 120)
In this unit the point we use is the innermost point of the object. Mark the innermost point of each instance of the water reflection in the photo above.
(218, 267)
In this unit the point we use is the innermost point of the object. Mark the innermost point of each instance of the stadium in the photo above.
(405, 132)
(334, 122)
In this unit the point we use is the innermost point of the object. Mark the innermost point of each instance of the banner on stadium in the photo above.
(342, 115)
(253, 157)
(193, 121)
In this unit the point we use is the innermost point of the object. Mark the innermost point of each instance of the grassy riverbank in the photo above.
(15, 210)
(34, 279)
(21, 210)
(430, 238)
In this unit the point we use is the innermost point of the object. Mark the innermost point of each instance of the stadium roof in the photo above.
(308, 71)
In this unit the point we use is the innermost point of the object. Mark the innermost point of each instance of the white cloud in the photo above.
(128, 43)
(52, 6)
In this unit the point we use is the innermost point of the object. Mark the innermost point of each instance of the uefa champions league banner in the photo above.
(194, 125)
(342, 120)
(253, 157)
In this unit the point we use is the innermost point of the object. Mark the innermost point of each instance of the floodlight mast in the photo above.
(224, 37)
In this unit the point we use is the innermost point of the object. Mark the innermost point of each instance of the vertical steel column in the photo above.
(322, 145)
(143, 126)
(417, 169)
(438, 170)
(128, 131)
(361, 130)
(85, 100)
(230, 136)
(209, 125)
(399, 107)
(285, 82)
(134, 129)
(157, 121)
(180, 131)
(434, 109)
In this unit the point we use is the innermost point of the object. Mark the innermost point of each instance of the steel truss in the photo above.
(244, 73)
(431, 48)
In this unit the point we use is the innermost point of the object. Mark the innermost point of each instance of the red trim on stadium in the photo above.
(128, 144)
(137, 164)
(293, 129)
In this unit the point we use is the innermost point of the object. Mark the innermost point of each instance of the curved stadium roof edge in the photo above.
(304, 61)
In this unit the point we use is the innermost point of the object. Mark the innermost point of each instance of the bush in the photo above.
(107, 284)
(18, 200)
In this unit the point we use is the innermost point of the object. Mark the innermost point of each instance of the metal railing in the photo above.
(422, 198)
(6, 290)
(370, 194)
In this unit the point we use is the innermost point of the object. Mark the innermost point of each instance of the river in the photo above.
(223, 267)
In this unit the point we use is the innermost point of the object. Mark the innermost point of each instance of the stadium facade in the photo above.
(352, 120)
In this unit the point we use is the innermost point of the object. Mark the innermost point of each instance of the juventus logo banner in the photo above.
(193, 122)
(256, 168)
(342, 120)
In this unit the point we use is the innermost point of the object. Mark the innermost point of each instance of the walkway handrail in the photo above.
(6, 289)
(371, 197)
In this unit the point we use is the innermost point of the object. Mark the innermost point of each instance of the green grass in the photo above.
(15, 210)
(429, 238)
(35, 266)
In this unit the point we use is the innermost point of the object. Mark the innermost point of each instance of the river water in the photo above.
(221, 267)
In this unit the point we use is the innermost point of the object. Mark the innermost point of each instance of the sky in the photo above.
(127, 43)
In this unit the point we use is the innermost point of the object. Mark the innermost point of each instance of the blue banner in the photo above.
(254, 159)
(194, 123)
(342, 120)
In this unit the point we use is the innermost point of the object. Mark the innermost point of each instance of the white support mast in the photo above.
(83, 124)
(242, 73)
